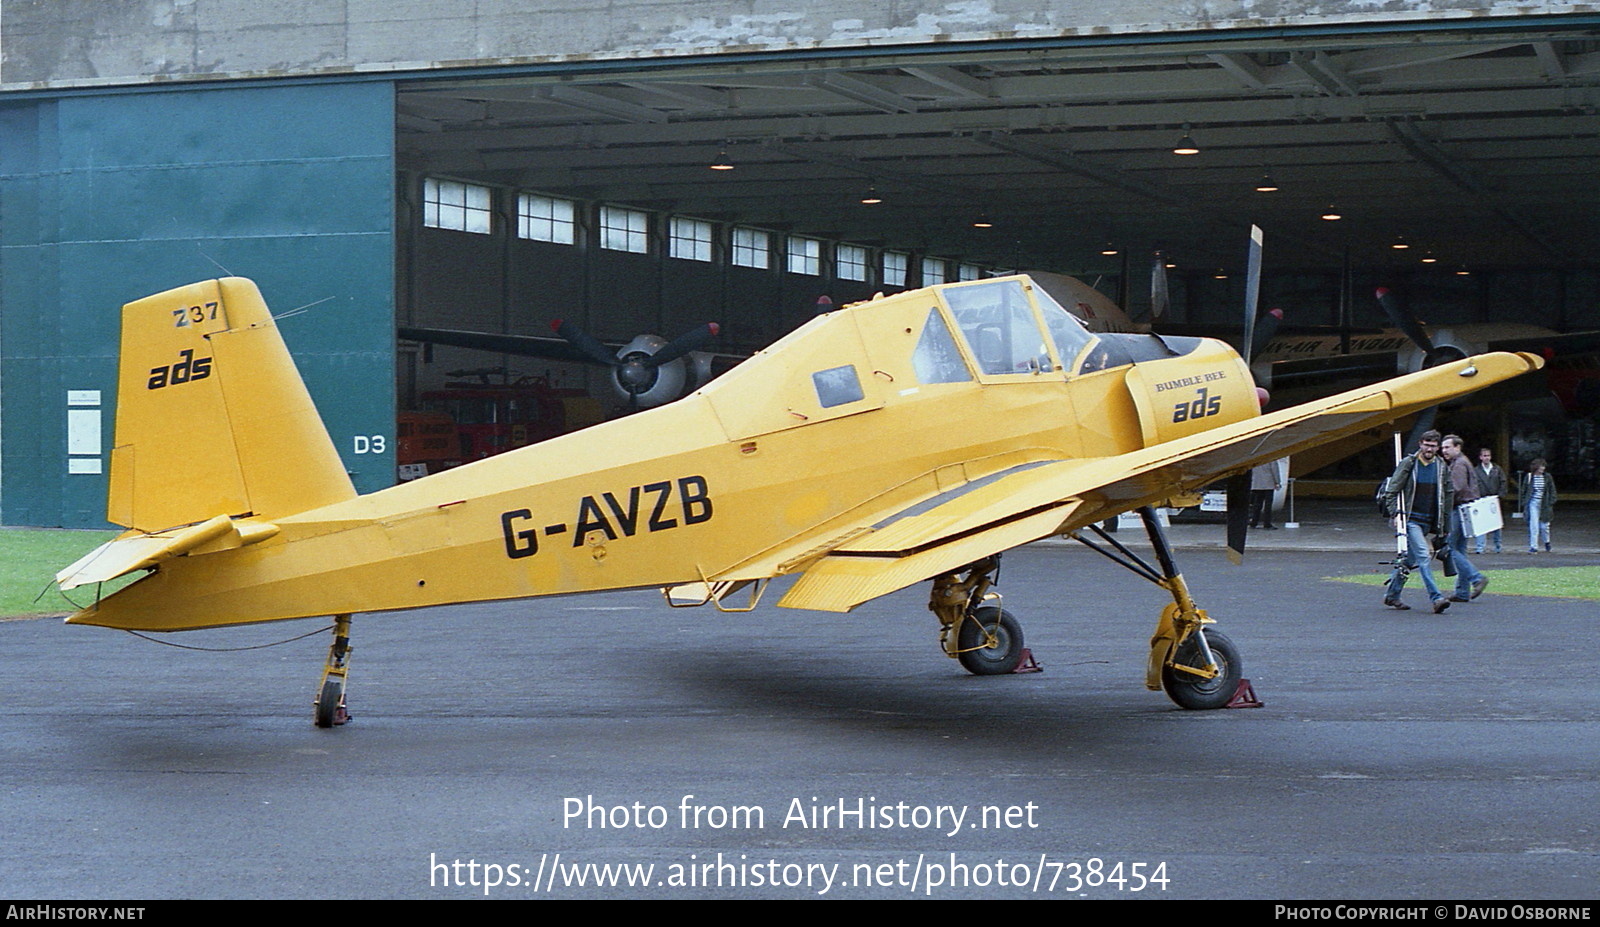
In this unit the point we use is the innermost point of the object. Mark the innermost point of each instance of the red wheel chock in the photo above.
(1028, 664)
(1245, 696)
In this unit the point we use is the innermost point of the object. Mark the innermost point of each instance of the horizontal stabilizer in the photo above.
(131, 552)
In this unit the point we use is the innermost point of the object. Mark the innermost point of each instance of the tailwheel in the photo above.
(989, 642)
(330, 706)
(1198, 692)
(330, 703)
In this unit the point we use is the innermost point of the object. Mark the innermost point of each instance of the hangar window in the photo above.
(546, 218)
(850, 262)
(969, 272)
(624, 229)
(448, 204)
(689, 239)
(752, 248)
(894, 268)
(935, 270)
(805, 256)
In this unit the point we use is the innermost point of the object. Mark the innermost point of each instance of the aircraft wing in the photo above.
(540, 346)
(1559, 345)
(547, 348)
(1038, 500)
(1312, 371)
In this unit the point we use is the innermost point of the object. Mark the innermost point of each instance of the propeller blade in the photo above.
(1404, 320)
(585, 342)
(1238, 488)
(1411, 326)
(691, 340)
(1159, 294)
(1252, 292)
(1267, 327)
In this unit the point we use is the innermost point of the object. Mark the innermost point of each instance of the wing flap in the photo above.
(843, 580)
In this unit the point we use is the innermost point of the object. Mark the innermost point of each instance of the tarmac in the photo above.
(533, 749)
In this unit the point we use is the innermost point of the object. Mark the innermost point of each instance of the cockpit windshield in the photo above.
(1066, 331)
(999, 326)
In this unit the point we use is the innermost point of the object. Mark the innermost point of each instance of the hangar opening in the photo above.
(629, 199)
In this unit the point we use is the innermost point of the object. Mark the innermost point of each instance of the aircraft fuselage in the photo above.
(847, 420)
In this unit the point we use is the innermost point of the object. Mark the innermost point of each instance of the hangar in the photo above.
(650, 166)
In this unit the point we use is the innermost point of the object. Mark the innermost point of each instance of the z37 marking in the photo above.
(608, 513)
(182, 318)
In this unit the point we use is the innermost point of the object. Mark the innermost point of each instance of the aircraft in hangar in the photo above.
(898, 440)
(1318, 359)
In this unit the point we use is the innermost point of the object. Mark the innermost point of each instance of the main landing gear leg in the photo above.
(330, 707)
(986, 638)
(1197, 666)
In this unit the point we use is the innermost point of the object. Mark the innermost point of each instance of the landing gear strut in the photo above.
(986, 638)
(1197, 666)
(330, 707)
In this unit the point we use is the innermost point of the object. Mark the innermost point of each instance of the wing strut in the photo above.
(1199, 669)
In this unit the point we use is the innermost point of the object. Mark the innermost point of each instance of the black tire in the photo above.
(1006, 653)
(1202, 694)
(328, 702)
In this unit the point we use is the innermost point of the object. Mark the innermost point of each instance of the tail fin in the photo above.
(212, 416)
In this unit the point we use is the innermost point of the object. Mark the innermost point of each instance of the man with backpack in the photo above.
(1418, 495)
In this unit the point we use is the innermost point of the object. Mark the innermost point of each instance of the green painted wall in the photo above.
(105, 198)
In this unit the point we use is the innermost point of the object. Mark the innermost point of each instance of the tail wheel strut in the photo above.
(330, 704)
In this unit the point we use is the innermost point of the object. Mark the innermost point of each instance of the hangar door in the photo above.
(108, 197)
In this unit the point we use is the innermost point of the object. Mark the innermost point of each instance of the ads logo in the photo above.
(187, 370)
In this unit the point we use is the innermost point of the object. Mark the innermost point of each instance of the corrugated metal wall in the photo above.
(105, 198)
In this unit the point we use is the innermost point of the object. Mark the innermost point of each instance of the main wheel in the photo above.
(1194, 692)
(328, 701)
(996, 660)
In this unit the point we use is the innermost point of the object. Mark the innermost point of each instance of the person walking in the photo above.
(1536, 497)
(1491, 482)
(1264, 482)
(1470, 583)
(1417, 495)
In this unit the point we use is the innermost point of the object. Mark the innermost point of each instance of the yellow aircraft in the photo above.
(901, 439)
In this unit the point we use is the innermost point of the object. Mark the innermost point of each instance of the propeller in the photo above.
(1252, 292)
(1160, 296)
(1238, 487)
(639, 367)
(1266, 328)
(1408, 323)
(1405, 320)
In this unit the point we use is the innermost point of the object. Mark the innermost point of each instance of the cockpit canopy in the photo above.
(1010, 326)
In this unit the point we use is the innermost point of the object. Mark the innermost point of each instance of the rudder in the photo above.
(212, 416)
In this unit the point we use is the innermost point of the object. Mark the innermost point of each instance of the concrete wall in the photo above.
(64, 43)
